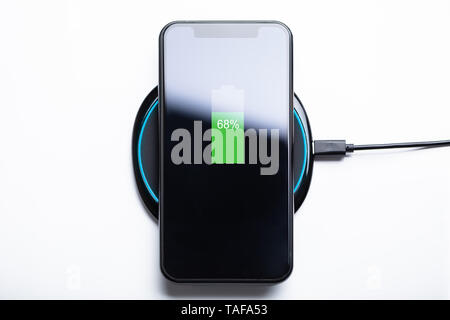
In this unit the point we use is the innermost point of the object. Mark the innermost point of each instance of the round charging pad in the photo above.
(146, 153)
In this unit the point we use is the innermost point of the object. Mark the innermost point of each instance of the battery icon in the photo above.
(227, 124)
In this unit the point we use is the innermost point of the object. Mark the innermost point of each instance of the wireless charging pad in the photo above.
(146, 152)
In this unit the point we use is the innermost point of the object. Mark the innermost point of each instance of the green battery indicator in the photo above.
(227, 124)
(227, 140)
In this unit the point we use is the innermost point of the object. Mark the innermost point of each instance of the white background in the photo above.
(73, 74)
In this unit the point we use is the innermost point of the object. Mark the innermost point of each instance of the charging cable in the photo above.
(341, 147)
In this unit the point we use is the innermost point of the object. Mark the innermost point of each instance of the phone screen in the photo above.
(226, 202)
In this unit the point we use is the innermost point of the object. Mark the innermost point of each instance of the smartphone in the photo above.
(226, 130)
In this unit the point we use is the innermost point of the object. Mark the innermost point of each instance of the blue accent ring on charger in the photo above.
(141, 168)
(297, 185)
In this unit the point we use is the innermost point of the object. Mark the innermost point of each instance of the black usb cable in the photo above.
(341, 147)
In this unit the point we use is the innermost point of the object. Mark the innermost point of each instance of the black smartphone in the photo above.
(226, 130)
